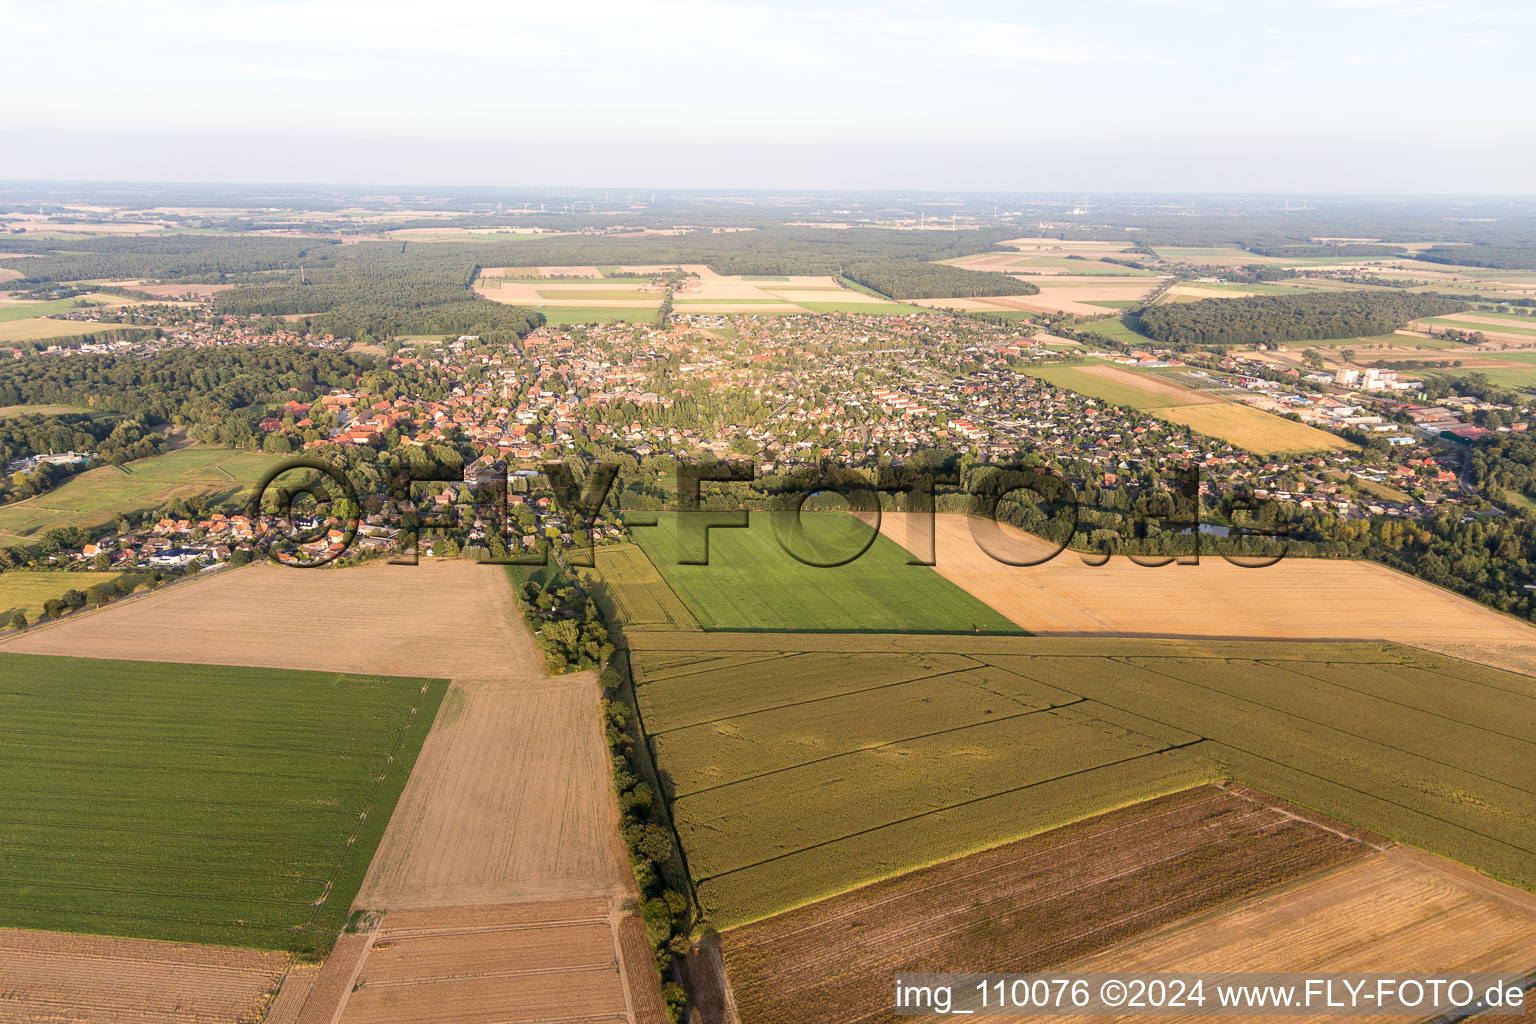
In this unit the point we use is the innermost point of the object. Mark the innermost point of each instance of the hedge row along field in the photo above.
(230, 806)
(798, 770)
(752, 583)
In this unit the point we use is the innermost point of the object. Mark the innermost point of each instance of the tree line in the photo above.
(1278, 318)
(910, 279)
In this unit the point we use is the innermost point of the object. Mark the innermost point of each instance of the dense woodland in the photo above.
(208, 259)
(1280, 318)
(222, 391)
(375, 291)
(908, 279)
(1522, 257)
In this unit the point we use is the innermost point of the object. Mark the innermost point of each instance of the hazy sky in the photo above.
(1094, 95)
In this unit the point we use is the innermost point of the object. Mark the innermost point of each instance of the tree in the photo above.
(1348, 354)
(1313, 358)
(18, 619)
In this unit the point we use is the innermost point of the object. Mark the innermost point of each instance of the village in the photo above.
(784, 393)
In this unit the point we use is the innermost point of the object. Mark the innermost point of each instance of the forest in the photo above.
(206, 259)
(223, 391)
(1279, 318)
(373, 291)
(1510, 257)
(909, 279)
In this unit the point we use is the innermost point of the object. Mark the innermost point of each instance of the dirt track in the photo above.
(1298, 598)
(510, 803)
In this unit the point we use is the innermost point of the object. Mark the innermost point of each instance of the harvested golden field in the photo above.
(1029, 905)
(1297, 598)
(1063, 292)
(47, 978)
(1252, 430)
(535, 962)
(1399, 911)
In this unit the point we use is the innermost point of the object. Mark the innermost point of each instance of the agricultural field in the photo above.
(632, 592)
(27, 591)
(24, 320)
(123, 757)
(752, 583)
(1296, 598)
(801, 769)
(452, 965)
(509, 744)
(1122, 329)
(1515, 329)
(1065, 292)
(1029, 905)
(584, 294)
(1252, 429)
(1115, 384)
(98, 496)
(91, 979)
(1394, 907)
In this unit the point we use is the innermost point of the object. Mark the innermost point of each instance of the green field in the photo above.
(800, 769)
(1512, 326)
(28, 590)
(1508, 376)
(751, 583)
(232, 806)
(1090, 268)
(98, 496)
(556, 294)
(564, 316)
(1122, 330)
(854, 306)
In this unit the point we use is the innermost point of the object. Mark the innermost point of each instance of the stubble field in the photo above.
(1297, 598)
(88, 979)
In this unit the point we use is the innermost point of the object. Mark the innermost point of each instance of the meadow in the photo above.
(752, 583)
(98, 496)
(219, 805)
(799, 769)
(28, 590)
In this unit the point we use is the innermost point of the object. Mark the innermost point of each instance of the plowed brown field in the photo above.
(86, 979)
(1399, 911)
(1029, 905)
(1297, 598)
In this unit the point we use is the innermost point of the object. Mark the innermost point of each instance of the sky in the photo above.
(1299, 96)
